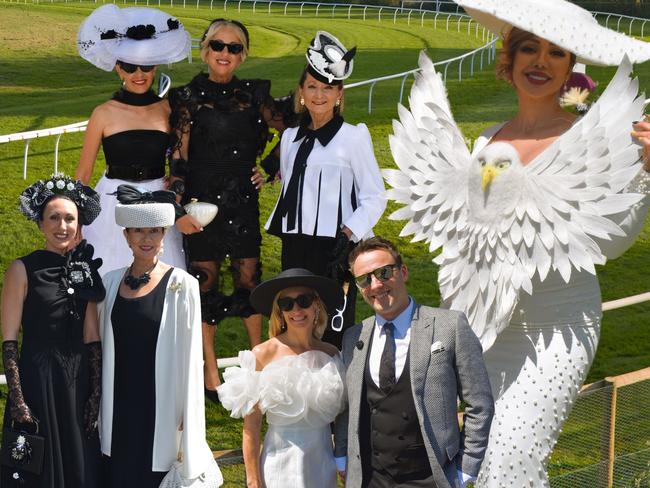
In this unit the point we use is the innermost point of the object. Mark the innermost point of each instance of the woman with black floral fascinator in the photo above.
(55, 384)
(133, 127)
(152, 408)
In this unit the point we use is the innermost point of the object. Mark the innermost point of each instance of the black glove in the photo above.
(338, 267)
(91, 410)
(19, 411)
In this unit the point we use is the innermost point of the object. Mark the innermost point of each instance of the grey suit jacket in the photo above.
(438, 380)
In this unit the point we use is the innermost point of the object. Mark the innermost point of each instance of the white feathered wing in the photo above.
(551, 217)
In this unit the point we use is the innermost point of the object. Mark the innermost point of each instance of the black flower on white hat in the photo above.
(329, 60)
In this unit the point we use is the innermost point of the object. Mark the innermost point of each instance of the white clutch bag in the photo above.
(211, 477)
(203, 212)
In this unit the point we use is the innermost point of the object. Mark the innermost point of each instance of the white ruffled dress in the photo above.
(301, 396)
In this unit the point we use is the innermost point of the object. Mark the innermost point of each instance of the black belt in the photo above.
(135, 173)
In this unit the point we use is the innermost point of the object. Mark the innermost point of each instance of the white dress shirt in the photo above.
(402, 325)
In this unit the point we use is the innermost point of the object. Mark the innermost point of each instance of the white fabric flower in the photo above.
(49, 185)
(70, 186)
(60, 184)
(239, 392)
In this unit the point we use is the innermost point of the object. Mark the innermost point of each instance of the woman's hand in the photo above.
(188, 225)
(642, 133)
(257, 179)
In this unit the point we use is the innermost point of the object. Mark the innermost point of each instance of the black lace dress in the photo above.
(227, 132)
(54, 373)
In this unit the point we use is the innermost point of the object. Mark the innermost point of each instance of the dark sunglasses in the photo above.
(304, 301)
(233, 47)
(383, 273)
(132, 68)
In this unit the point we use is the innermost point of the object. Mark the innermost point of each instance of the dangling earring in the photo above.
(283, 325)
(338, 102)
(316, 316)
(302, 101)
(162, 250)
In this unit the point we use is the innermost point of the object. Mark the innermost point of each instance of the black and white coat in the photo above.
(342, 183)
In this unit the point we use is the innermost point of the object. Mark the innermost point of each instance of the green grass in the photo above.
(44, 83)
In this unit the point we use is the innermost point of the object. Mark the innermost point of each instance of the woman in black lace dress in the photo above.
(221, 124)
(55, 383)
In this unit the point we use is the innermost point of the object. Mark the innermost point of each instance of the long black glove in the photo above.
(338, 267)
(19, 411)
(91, 410)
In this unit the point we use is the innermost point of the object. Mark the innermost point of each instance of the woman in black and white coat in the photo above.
(332, 193)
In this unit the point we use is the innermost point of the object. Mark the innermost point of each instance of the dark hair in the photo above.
(41, 211)
(375, 243)
(512, 40)
(300, 110)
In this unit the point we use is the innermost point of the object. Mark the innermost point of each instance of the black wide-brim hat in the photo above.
(329, 291)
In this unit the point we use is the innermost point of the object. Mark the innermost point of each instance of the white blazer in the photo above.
(344, 168)
(180, 409)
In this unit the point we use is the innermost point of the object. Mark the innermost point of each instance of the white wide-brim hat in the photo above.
(145, 215)
(562, 23)
(136, 35)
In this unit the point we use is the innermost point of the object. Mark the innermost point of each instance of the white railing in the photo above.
(618, 18)
(611, 305)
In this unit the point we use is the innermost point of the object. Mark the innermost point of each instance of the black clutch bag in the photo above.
(22, 450)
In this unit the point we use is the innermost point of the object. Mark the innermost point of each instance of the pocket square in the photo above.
(437, 347)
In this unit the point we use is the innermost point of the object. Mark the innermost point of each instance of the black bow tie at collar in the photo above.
(324, 134)
(129, 194)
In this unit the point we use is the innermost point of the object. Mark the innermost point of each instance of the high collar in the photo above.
(324, 134)
(205, 83)
(136, 99)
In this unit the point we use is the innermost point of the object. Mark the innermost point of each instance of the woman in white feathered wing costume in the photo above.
(524, 218)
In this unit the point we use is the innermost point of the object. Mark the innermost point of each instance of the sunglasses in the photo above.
(132, 68)
(233, 47)
(304, 301)
(383, 273)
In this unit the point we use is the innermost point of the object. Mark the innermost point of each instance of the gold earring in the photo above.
(302, 101)
(338, 102)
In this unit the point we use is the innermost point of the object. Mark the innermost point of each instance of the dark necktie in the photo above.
(387, 363)
(292, 198)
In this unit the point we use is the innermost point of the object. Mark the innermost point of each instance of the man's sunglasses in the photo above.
(304, 301)
(233, 47)
(132, 68)
(383, 273)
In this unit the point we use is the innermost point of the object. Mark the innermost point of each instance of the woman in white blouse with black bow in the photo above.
(332, 193)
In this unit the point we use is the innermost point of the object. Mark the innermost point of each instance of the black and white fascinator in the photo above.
(135, 35)
(144, 209)
(329, 60)
(34, 198)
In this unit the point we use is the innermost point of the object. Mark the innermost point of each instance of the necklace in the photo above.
(134, 282)
(136, 99)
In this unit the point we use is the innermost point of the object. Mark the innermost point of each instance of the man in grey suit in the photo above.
(406, 368)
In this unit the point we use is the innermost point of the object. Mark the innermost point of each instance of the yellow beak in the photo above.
(488, 173)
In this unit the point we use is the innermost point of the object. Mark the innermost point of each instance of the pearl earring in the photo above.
(302, 101)
(338, 102)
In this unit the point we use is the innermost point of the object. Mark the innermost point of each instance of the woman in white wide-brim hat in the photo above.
(133, 126)
(152, 407)
(539, 361)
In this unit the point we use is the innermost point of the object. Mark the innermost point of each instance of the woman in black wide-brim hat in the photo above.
(295, 379)
(54, 383)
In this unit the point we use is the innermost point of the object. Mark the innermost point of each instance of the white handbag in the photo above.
(203, 212)
(210, 478)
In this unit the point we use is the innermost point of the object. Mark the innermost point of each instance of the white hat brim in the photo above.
(562, 23)
(167, 46)
(145, 215)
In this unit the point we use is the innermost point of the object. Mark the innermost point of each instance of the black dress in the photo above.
(227, 133)
(54, 374)
(136, 322)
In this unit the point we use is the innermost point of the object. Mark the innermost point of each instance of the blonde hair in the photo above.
(276, 320)
(512, 40)
(214, 29)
